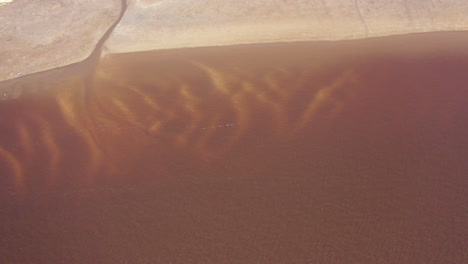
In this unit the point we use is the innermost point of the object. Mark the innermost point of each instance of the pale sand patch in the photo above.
(38, 35)
(5, 2)
(159, 24)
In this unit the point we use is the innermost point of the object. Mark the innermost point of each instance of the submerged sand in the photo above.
(343, 152)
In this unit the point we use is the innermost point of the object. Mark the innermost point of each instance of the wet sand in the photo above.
(313, 152)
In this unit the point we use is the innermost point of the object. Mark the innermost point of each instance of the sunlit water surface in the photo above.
(329, 152)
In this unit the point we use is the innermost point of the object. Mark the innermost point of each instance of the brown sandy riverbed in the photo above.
(313, 152)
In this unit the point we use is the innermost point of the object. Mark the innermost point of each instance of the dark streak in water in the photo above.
(93, 61)
(96, 54)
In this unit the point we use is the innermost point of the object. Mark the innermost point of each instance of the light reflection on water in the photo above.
(339, 152)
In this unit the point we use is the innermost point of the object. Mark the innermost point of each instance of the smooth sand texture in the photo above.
(5, 2)
(322, 152)
(164, 24)
(38, 35)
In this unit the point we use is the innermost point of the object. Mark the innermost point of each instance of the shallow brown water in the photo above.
(329, 152)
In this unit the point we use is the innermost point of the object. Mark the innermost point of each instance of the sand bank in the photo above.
(41, 35)
(159, 24)
(37, 35)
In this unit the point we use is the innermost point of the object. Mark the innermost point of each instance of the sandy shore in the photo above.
(41, 35)
(152, 24)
